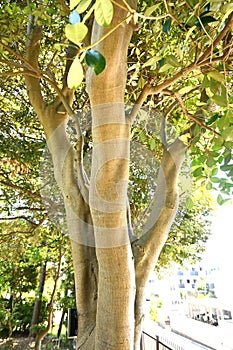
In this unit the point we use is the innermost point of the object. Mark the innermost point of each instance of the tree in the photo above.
(179, 64)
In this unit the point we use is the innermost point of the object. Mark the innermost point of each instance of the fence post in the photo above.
(157, 342)
(142, 345)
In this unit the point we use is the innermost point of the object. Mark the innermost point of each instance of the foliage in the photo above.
(179, 66)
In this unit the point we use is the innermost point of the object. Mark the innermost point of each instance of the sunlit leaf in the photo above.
(142, 136)
(73, 4)
(152, 144)
(172, 60)
(152, 61)
(189, 203)
(227, 134)
(185, 90)
(75, 75)
(103, 12)
(220, 100)
(189, 32)
(83, 5)
(165, 67)
(151, 9)
(76, 32)
(216, 76)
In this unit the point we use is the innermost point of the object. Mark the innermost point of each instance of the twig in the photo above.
(64, 6)
(143, 95)
(137, 14)
(223, 33)
(11, 218)
(85, 48)
(186, 113)
(202, 61)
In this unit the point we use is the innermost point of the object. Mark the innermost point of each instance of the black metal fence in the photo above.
(155, 342)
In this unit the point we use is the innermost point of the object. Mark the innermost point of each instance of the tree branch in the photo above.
(32, 54)
(64, 6)
(147, 249)
(186, 113)
(154, 90)
(204, 60)
(9, 218)
(220, 37)
(42, 333)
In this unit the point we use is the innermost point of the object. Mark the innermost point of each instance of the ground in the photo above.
(24, 343)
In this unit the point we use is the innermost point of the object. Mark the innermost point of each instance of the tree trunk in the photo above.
(42, 333)
(61, 323)
(38, 300)
(108, 191)
(110, 275)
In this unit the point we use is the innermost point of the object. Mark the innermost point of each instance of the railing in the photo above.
(156, 343)
(166, 340)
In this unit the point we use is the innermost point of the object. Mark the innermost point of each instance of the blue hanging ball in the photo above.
(74, 17)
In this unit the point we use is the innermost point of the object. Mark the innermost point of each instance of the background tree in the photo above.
(179, 66)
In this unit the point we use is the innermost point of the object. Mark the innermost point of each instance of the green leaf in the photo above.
(167, 26)
(152, 61)
(196, 130)
(96, 60)
(152, 144)
(151, 9)
(142, 136)
(103, 12)
(215, 180)
(220, 200)
(227, 167)
(220, 100)
(205, 82)
(161, 62)
(76, 32)
(227, 157)
(196, 161)
(192, 3)
(216, 76)
(165, 67)
(214, 172)
(198, 172)
(227, 134)
(172, 60)
(204, 20)
(83, 5)
(210, 162)
(75, 74)
(189, 203)
(213, 119)
(185, 90)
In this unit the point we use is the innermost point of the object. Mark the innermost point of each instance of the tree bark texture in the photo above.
(37, 304)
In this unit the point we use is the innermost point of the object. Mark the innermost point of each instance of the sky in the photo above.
(220, 245)
(220, 251)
